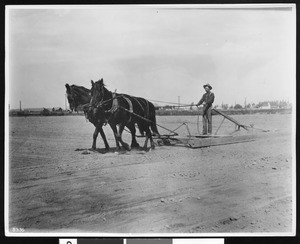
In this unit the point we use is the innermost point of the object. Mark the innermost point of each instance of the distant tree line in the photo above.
(266, 104)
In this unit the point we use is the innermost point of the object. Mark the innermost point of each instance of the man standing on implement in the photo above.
(207, 101)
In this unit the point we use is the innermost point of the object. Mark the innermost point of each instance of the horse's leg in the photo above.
(151, 141)
(148, 136)
(103, 137)
(95, 135)
(132, 129)
(114, 129)
(125, 145)
(146, 142)
(146, 129)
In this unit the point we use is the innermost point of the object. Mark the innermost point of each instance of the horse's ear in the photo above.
(102, 82)
(92, 82)
(68, 87)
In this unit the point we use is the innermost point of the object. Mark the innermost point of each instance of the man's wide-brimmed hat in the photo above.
(208, 85)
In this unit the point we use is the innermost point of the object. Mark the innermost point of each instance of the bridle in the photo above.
(102, 101)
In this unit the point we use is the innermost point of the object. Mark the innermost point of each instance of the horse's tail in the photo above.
(142, 132)
(149, 113)
(152, 117)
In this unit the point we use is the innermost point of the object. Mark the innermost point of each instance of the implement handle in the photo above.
(231, 119)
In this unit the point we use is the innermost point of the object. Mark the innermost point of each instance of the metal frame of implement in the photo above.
(208, 140)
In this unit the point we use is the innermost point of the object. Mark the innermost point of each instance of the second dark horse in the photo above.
(124, 110)
(79, 96)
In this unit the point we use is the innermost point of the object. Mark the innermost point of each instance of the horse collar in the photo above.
(115, 103)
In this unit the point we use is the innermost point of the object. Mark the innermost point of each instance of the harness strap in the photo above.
(115, 104)
(138, 102)
(136, 99)
(129, 103)
(147, 115)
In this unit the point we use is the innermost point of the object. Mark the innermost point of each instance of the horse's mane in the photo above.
(101, 81)
(80, 88)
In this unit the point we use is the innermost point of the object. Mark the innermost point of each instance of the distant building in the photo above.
(265, 105)
(56, 109)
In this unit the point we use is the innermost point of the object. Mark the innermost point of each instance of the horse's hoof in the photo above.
(135, 146)
(126, 147)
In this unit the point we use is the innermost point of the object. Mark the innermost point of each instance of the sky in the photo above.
(157, 52)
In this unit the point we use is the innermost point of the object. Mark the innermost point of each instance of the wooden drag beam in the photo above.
(201, 142)
(217, 141)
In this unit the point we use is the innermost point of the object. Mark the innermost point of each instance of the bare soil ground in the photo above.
(57, 185)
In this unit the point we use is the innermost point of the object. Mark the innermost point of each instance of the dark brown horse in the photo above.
(124, 110)
(79, 96)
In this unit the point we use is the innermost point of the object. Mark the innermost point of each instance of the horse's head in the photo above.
(73, 97)
(97, 92)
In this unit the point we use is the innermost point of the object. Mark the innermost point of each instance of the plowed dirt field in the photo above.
(56, 184)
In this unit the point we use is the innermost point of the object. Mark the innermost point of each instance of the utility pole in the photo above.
(178, 102)
(65, 101)
(20, 106)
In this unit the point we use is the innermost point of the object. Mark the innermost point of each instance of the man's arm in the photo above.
(201, 100)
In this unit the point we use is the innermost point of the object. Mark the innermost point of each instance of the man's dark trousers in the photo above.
(207, 121)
